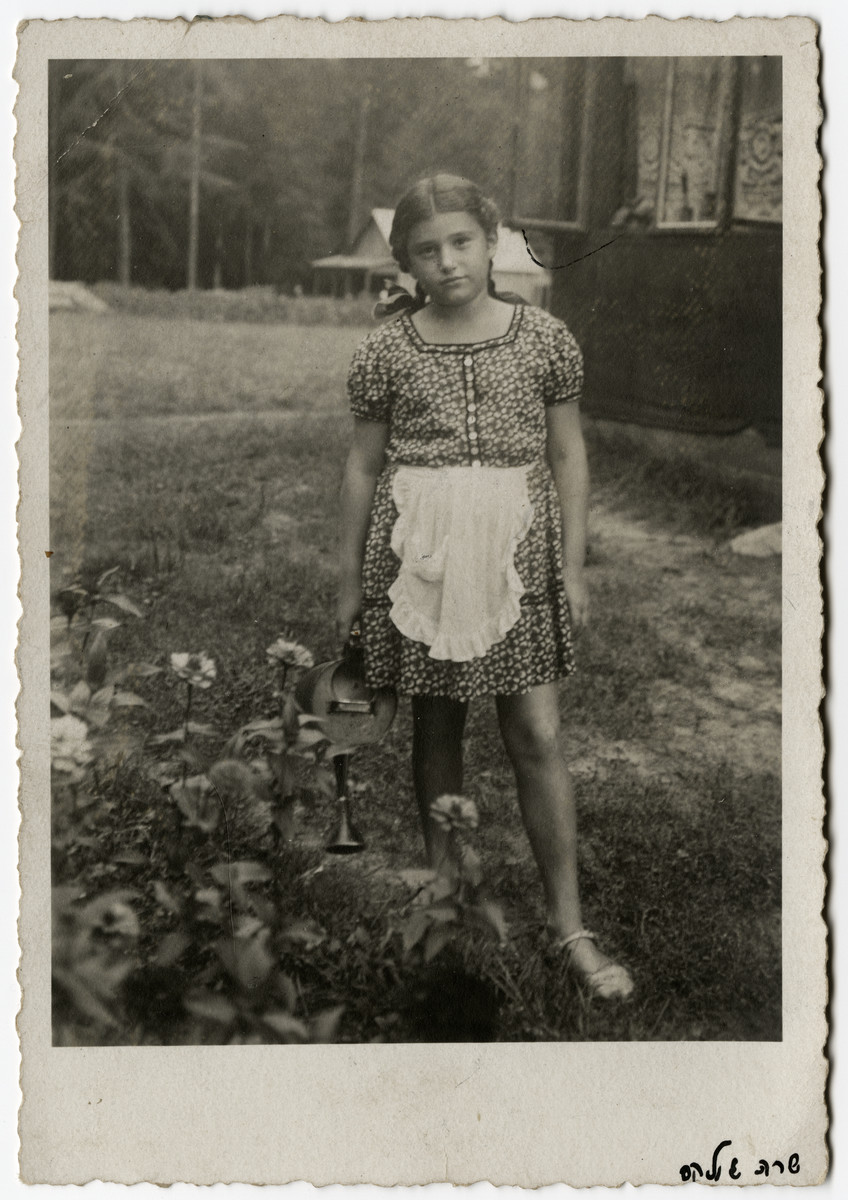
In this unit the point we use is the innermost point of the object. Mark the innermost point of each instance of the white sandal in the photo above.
(610, 982)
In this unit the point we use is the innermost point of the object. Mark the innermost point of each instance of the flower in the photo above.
(70, 749)
(71, 599)
(289, 654)
(455, 812)
(111, 915)
(195, 801)
(196, 669)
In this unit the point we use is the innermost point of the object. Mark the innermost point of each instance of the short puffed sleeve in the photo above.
(367, 385)
(564, 383)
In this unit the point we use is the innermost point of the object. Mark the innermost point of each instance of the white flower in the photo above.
(70, 749)
(196, 802)
(289, 654)
(113, 916)
(196, 669)
(455, 812)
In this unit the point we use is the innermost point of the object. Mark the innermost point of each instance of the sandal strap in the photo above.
(561, 943)
(612, 982)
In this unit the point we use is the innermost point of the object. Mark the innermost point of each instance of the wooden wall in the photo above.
(679, 328)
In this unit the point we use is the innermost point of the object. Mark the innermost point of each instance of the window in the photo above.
(708, 146)
(695, 146)
(648, 83)
(677, 144)
(758, 183)
(548, 181)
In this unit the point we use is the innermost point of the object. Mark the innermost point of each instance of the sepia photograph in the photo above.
(531, 789)
(414, 541)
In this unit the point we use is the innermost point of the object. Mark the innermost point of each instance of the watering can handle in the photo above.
(353, 654)
(353, 646)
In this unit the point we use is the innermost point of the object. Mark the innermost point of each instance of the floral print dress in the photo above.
(467, 405)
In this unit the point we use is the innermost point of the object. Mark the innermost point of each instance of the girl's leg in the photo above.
(532, 735)
(437, 728)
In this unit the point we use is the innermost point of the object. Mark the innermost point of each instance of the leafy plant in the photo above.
(93, 953)
(454, 899)
(86, 688)
(242, 994)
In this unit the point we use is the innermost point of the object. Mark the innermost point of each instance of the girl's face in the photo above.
(449, 255)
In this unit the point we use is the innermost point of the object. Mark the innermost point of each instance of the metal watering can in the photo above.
(351, 714)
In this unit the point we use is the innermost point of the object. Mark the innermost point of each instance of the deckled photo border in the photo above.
(523, 1114)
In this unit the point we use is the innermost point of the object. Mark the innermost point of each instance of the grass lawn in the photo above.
(203, 460)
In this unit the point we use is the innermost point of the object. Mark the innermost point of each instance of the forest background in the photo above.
(237, 173)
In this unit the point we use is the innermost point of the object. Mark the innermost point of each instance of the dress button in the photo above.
(472, 407)
(468, 360)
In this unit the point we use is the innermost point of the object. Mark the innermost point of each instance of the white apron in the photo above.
(456, 534)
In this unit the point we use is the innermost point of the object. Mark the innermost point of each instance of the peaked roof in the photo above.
(383, 218)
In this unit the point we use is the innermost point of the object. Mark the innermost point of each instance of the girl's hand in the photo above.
(348, 610)
(577, 594)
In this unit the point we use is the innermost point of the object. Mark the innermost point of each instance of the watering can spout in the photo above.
(347, 839)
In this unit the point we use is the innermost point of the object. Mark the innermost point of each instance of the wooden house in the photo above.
(656, 184)
(365, 267)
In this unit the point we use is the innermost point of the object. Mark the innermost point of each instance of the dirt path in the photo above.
(721, 611)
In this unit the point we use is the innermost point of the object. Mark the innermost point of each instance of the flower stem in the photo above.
(456, 850)
(187, 709)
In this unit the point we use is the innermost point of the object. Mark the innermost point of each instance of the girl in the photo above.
(464, 529)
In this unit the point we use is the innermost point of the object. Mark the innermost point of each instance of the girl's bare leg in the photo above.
(437, 727)
(530, 727)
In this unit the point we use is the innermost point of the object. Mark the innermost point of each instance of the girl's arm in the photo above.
(566, 454)
(364, 464)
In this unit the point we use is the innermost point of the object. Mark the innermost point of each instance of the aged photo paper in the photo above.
(679, 158)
